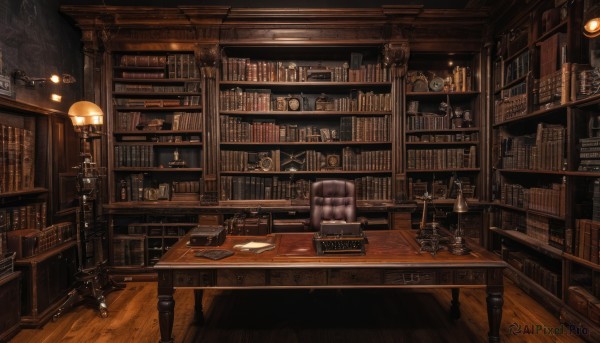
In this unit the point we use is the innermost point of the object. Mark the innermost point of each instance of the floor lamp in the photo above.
(92, 280)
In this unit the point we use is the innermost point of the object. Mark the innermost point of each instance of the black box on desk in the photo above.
(207, 235)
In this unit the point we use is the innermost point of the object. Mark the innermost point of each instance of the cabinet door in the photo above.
(55, 276)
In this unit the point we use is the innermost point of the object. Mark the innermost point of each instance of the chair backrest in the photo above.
(332, 200)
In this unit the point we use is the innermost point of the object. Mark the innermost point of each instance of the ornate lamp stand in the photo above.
(92, 281)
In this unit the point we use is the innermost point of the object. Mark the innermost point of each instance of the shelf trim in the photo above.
(35, 190)
(305, 143)
(164, 109)
(449, 170)
(580, 260)
(157, 132)
(156, 169)
(464, 129)
(533, 243)
(259, 172)
(306, 113)
(444, 143)
(527, 210)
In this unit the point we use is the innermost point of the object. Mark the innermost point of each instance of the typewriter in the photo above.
(340, 237)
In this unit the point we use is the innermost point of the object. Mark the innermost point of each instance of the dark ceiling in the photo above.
(279, 3)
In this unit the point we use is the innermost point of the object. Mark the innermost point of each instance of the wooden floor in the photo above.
(282, 316)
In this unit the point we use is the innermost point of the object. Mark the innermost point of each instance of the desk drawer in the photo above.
(409, 277)
(193, 278)
(343, 277)
(298, 277)
(470, 277)
(240, 277)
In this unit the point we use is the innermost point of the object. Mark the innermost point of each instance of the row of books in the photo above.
(188, 87)
(546, 231)
(440, 188)
(351, 129)
(550, 200)
(517, 68)
(587, 240)
(511, 107)
(586, 301)
(511, 220)
(128, 251)
(188, 100)
(428, 122)
(365, 129)
(177, 65)
(461, 79)
(268, 188)
(442, 138)
(238, 99)
(438, 159)
(54, 235)
(32, 216)
(134, 156)
(359, 160)
(245, 69)
(260, 188)
(589, 154)
(17, 152)
(543, 151)
(241, 161)
(177, 121)
(548, 91)
(543, 276)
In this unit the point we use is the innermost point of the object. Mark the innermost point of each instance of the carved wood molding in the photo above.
(282, 26)
(396, 54)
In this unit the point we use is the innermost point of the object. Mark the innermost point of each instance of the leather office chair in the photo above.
(332, 200)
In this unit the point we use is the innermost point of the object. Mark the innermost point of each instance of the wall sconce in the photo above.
(591, 19)
(29, 81)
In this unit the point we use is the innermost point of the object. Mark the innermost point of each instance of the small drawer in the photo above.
(240, 278)
(297, 277)
(193, 278)
(470, 277)
(409, 277)
(343, 277)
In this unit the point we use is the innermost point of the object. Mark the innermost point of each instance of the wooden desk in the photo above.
(392, 260)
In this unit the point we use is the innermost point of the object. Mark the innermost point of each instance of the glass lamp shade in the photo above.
(83, 113)
(591, 19)
(591, 28)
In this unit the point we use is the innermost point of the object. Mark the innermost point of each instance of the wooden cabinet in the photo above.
(46, 280)
(10, 317)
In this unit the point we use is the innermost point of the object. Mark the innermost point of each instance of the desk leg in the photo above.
(495, 300)
(166, 310)
(199, 312)
(455, 307)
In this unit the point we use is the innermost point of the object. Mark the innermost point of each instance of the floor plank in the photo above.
(295, 316)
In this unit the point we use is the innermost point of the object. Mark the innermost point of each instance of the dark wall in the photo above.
(37, 38)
